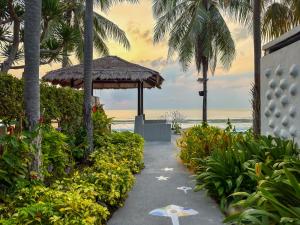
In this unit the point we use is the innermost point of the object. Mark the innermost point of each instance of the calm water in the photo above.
(241, 119)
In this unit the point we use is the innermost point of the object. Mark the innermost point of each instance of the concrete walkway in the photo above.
(153, 190)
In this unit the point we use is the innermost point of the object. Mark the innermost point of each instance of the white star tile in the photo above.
(184, 188)
(168, 169)
(162, 178)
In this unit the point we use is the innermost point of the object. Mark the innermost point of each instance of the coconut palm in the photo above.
(257, 56)
(94, 29)
(103, 29)
(196, 30)
(31, 72)
(88, 66)
(62, 31)
(267, 19)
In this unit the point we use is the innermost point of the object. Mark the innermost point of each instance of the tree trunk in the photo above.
(257, 57)
(88, 66)
(32, 29)
(14, 47)
(205, 71)
(65, 60)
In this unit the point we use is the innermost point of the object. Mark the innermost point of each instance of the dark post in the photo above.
(139, 98)
(72, 83)
(142, 98)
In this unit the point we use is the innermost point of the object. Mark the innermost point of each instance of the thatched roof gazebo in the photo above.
(110, 72)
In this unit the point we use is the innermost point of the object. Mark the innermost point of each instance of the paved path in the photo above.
(149, 193)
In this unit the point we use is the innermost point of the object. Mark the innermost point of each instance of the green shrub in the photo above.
(236, 169)
(64, 203)
(11, 99)
(125, 147)
(198, 143)
(62, 104)
(225, 174)
(15, 157)
(112, 180)
(276, 200)
(57, 155)
(86, 195)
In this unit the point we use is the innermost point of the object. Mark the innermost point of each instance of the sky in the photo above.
(226, 89)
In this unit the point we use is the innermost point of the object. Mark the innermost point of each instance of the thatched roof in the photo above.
(110, 72)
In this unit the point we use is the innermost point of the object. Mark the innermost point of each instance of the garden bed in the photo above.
(255, 180)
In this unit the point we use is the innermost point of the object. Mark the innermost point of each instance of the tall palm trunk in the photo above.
(204, 106)
(13, 48)
(32, 29)
(65, 59)
(257, 57)
(88, 66)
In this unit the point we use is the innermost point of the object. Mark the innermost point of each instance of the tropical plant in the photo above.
(276, 200)
(196, 29)
(241, 166)
(199, 142)
(57, 155)
(63, 105)
(86, 195)
(15, 156)
(32, 28)
(257, 56)
(87, 73)
(61, 35)
(266, 19)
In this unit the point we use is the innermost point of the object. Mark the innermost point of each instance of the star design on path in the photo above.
(162, 178)
(168, 169)
(184, 188)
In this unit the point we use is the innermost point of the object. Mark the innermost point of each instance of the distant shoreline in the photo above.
(196, 121)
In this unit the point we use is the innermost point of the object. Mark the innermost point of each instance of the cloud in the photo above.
(240, 33)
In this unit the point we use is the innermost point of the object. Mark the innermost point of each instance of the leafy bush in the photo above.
(84, 196)
(15, 156)
(198, 142)
(225, 174)
(235, 169)
(124, 147)
(276, 200)
(112, 180)
(255, 179)
(57, 155)
(64, 203)
(10, 98)
(62, 104)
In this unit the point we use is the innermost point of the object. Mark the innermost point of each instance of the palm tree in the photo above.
(257, 56)
(196, 29)
(94, 22)
(88, 66)
(31, 72)
(102, 29)
(62, 31)
(269, 19)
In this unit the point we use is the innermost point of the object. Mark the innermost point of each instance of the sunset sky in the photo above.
(226, 89)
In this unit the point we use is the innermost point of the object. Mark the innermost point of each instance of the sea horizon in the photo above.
(241, 119)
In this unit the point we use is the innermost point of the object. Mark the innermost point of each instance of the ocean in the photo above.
(240, 118)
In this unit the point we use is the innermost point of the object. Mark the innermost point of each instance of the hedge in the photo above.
(57, 103)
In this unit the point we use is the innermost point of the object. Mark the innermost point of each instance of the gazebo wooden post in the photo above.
(72, 83)
(142, 98)
(139, 99)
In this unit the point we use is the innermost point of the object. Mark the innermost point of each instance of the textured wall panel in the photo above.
(280, 93)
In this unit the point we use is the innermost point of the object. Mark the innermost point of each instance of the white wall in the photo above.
(280, 93)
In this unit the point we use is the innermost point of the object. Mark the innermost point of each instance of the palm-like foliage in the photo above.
(277, 17)
(196, 30)
(62, 30)
(103, 29)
